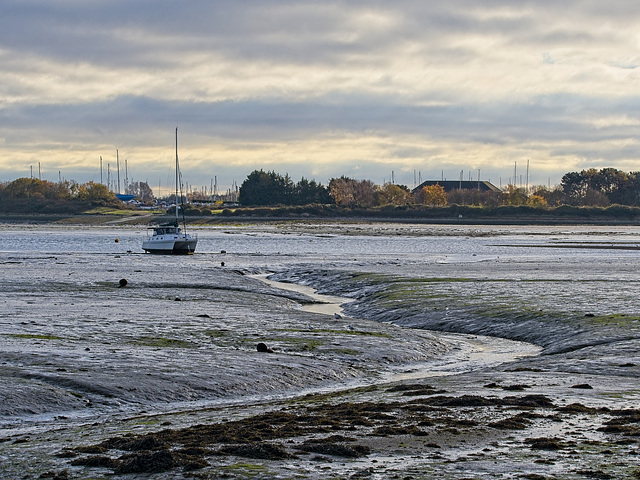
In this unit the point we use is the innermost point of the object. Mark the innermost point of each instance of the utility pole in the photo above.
(101, 170)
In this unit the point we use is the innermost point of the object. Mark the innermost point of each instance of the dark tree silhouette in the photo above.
(269, 188)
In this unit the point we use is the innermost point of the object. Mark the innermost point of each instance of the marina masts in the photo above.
(177, 174)
(118, 167)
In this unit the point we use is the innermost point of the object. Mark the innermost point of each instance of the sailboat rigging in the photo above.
(169, 238)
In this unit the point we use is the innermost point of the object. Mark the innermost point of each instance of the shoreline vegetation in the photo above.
(606, 196)
(455, 215)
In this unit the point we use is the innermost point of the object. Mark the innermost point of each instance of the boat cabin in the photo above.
(167, 229)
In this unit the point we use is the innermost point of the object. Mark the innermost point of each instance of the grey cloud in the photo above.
(548, 119)
(155, 36)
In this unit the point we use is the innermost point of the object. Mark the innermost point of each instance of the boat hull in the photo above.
(170, 247)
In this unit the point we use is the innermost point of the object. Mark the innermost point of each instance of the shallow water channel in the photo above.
(472, 352)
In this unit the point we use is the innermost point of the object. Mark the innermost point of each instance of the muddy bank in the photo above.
(81, 346)
(337, 429)
(468, 426)
(163, 378)
(584, 319)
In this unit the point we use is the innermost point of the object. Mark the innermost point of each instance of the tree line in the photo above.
(270, 188)
(31, 195)
(590, 187)
(602, 187)
(586, 188)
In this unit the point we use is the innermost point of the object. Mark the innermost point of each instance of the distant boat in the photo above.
(125, 197)
(168, 238)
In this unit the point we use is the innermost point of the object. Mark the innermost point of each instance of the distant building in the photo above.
(451, 185)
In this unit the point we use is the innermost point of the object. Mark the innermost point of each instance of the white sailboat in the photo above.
(169, 238)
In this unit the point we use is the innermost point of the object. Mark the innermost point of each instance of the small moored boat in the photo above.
(168, 238)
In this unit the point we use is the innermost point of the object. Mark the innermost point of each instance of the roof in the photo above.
(450, 185)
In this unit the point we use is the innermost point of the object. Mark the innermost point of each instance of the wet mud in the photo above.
(433, 431)
(460, 353)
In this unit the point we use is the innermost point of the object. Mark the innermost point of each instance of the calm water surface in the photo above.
(462, 243)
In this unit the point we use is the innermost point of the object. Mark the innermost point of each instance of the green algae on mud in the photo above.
(352, 331)
(216, 333)
(163, 342)
(34, 336)
(359, 426)
(622, 320)
(526, 308)
(297, 343)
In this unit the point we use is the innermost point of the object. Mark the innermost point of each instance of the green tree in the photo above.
(265, 188)
(307, 192)
(270, 188)
(574, 185)
(630, 194)
(32, 195)
(594, 198)
(591, 187)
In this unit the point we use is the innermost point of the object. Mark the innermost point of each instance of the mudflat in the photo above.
(408, 352)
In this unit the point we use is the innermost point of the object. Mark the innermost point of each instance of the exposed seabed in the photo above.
(162, 377)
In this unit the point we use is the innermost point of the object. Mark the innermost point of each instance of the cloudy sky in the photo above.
(319, 89)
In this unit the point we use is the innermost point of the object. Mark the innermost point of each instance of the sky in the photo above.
(508, 92)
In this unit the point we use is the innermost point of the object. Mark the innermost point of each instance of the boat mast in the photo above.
(177, 218)
(118, 167)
